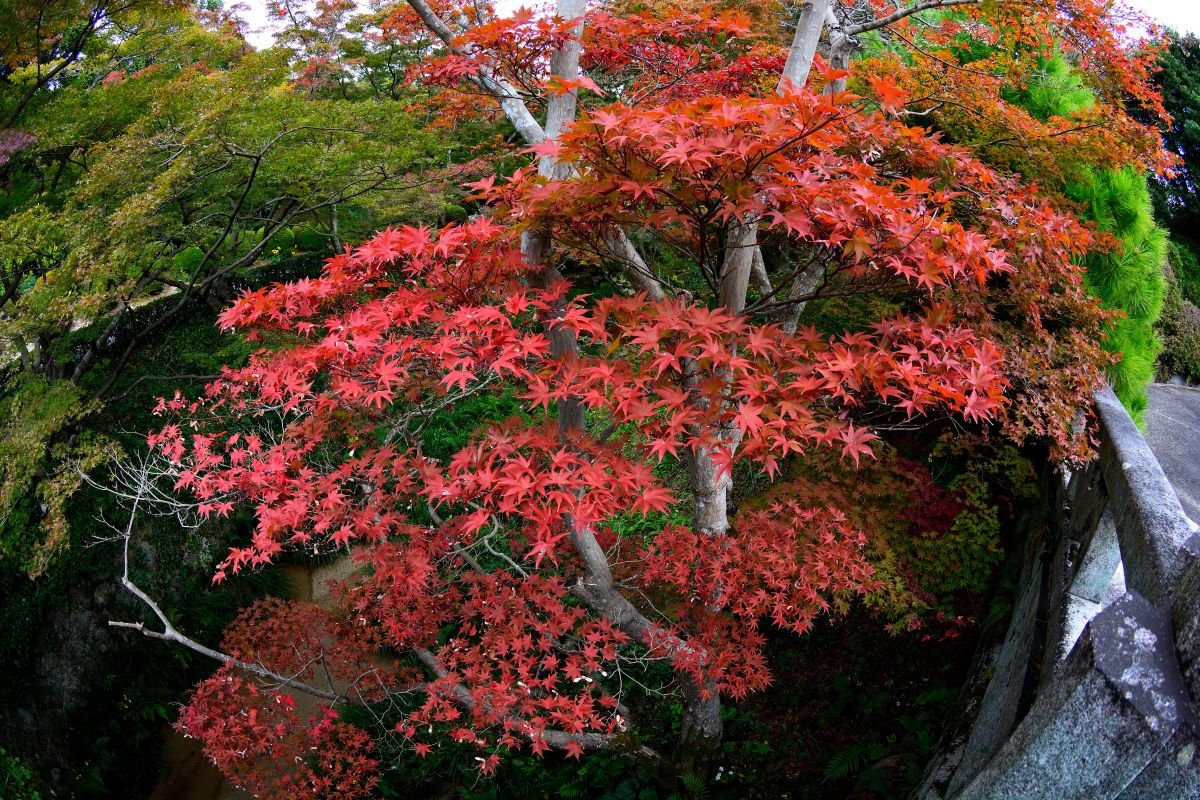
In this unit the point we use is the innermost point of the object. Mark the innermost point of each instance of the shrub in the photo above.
(1187, 271)
(1179, 325)
(16, 779)
(1183, 346)
(310, 240)
(284, 240)
(188, 260)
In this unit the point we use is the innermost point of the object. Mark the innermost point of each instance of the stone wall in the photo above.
(1115, 715)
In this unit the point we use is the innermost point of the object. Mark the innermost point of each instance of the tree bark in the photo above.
(803, 286)
(841, 47)
(804, 44)
(700, 736)
(758, 273)
(641, 277)
(740, 244)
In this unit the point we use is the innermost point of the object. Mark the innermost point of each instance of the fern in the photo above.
(855, 759)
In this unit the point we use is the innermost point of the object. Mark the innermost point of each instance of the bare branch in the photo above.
(170, 633)
(899, 14)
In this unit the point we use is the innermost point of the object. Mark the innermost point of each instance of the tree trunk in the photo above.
(700, 737)
(841, 46)
(804, 44)
(737, 264)
(803, 286)
(701, 722)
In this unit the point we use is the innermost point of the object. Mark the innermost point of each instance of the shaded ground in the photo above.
(854, 712)
(1173, 431)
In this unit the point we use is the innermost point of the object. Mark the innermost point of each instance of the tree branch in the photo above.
(899, 14)
(169, 632)
(557, 739)
(560, 113)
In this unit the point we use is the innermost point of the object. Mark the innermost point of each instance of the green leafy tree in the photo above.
(1177, 198)
(43, 41)
(1179, 324)
(1129, 276)
(161, 170)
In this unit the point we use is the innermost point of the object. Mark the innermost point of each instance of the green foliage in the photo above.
(283, 241)
(1179, 324)
(39, 467)
(1058, 91)
(17, 781)
(1183, 261)
(965, 557)
(310, 240)
(873, 759)
(1181, 352)
(449, 430)
(630, 525)
(930, 539)
(837, 315)
(609, 777)
(1129, 278)
(1177, 198)
(169, 153)
(853, 760)
(1177, 201)
(454, 213)
(188, 260)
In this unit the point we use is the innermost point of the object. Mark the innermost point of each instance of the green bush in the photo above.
(310, 240)
(283, 241)
(1179, 329)
(1128, 278)
(1179, 325)
(16, 779)
(1181, 351)
(1187, 271)
(247, 240)
(188, 260)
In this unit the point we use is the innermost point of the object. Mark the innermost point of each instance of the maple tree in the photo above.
(495, 608)
(1059, 126)
(41, 40)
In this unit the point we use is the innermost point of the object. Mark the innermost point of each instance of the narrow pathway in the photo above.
(1173, 431)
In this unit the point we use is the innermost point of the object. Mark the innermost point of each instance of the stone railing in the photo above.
(1093, 694)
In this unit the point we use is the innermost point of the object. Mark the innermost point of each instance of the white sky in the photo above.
(1182, 15)
(255, 13)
